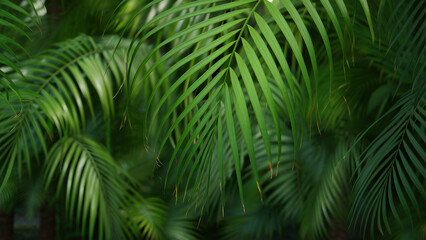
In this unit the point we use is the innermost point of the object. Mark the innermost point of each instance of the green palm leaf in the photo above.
(213, 36)
(159, 221)
(8, 196)
(10, 22)
(326, 204)
(150, 217)
(227, 90)
(390, 184)
(95, 194)
(57, 93)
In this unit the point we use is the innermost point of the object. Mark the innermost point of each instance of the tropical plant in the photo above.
(235, 119)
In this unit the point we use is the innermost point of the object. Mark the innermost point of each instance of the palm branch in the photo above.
(215, 45)
(11, 22)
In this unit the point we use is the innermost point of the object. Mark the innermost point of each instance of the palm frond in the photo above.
(390, 184)
(261, 223)
(156, 220)
(95, 193)
(216, 44)
(180, 225)
(10, 22)
(7, 195)
(150, 216)
(58, 91)
(326, 205)
(284, 189)
(399, 53)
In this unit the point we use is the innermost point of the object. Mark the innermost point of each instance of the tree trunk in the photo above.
(6, 225)
(47, 223)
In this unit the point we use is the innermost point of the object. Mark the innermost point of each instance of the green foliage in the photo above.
(10, 21)
(95, 193)
(395, 175)
(241, 119)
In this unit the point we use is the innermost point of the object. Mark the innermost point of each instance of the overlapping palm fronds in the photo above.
(95, 194)
(159, 221)
(242, 58)
(8, 196)
(56, 97)
(62, 92)
(248, 106)
(225, 50)
(391, 181)
(11, 23)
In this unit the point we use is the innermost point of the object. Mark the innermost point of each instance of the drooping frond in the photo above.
(326, 205)
(97, 198)
(12, 24)
(61, 87)
(180, 225)
(390, 184)
(283, 186)
(221, 52)
(150, 216)
(402, 36)
(8, 195)
(261, 223)
(156, 220)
